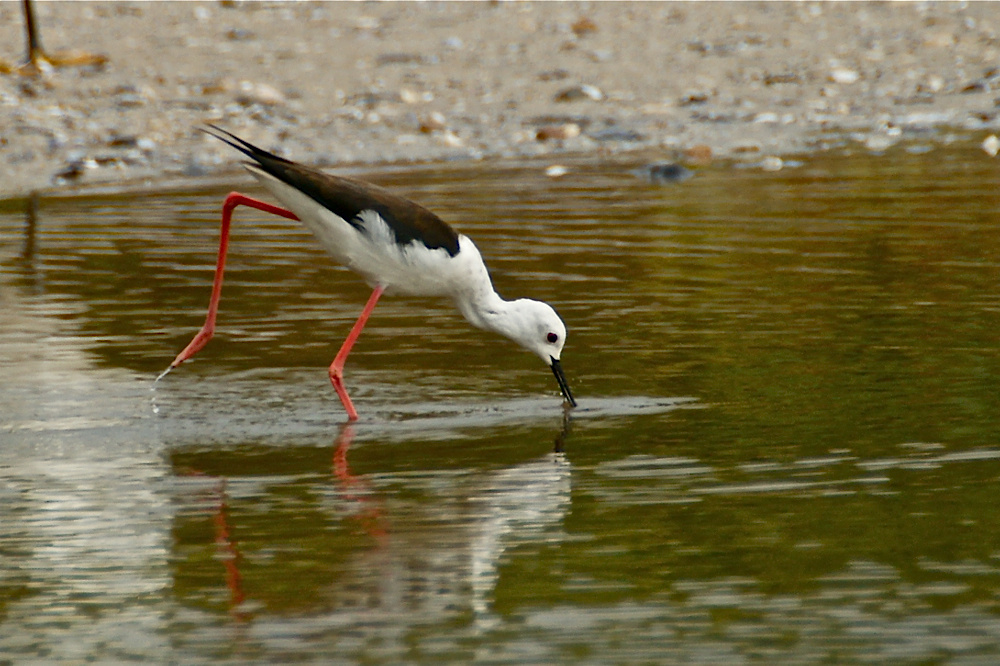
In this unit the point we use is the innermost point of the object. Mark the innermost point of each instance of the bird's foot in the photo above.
(42, 64)
(337, 379)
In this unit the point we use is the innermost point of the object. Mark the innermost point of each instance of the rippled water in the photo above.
(785, 451)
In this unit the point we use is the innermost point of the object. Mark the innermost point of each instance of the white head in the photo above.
(536, 327)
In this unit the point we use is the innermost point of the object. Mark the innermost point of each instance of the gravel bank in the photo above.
(343, 83)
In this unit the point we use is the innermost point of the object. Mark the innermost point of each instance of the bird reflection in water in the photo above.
(444, 553)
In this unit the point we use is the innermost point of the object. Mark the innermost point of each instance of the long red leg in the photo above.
(208, 329)
(337, 367)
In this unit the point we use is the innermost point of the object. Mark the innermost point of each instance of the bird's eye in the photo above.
(552, 337)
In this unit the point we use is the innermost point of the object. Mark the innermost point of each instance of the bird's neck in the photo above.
(485, 309)
(476, 299)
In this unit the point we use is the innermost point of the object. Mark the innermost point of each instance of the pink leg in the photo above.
(208, 329)
(337, 367)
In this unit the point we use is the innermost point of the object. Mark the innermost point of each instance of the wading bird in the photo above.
(396, 245)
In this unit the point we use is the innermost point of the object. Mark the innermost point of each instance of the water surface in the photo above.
(785, 451)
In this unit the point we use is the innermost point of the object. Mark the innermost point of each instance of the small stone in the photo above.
(699, 154)
(878, 143)
(583, 26)
(75, 168)
(450, 139)
(693, 98)
(553, 75)
(616, 134)
(931, 84)
(558, 132)
(991, 145)
(259, 93)
(433, 122)
(669, 172)
(399, 59)
(122, 140)
(576, 93)
(781, 77)
(129, 100)
(844, 75)
(240, 34)
(940, 40)
(771, 163)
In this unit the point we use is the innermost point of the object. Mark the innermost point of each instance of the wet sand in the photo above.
(340, 84)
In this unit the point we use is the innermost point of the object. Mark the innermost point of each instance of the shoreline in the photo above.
(359, 85)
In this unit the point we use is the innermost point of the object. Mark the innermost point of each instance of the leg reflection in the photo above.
(356, 490)
(226, 548)
(229, 553)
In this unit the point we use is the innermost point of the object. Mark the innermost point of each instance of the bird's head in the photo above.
(538, 328)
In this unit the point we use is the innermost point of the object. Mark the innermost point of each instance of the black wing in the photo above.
(347, 198)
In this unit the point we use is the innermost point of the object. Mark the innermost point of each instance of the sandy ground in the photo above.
(342, 83)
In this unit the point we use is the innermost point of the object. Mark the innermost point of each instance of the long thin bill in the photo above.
(563, 384)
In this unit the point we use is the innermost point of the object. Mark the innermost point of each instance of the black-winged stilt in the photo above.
(396, 246)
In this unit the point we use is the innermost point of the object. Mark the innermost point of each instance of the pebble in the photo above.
(991, 145)
(878, 143)
(450, 139)
(577, 93)
(259, 93)
(553, 75)
(240, 34)
(699, 154)
(433, 122)
(583, 26)
(931, 84)
(558, 132)
(601, 55)
(617, 134)
(669, 172)
(781, 77)
(771, 163)
(408, 96)
(400, 59)
(844, 75)
(366, 23)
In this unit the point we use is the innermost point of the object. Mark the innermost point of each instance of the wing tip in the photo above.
(259, 155)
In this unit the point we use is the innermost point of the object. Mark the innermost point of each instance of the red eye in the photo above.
(552, 337)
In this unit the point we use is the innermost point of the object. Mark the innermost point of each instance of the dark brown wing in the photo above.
(347, 198)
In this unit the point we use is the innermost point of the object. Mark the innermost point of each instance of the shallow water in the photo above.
(785, 451)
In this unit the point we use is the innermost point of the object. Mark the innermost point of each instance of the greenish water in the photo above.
(785, 452)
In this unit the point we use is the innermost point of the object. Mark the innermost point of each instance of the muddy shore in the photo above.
(356, 83)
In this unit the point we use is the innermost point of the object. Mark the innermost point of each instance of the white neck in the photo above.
(486, 310)
(478, 302)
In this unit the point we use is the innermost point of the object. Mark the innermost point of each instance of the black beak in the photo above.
(561, 378)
